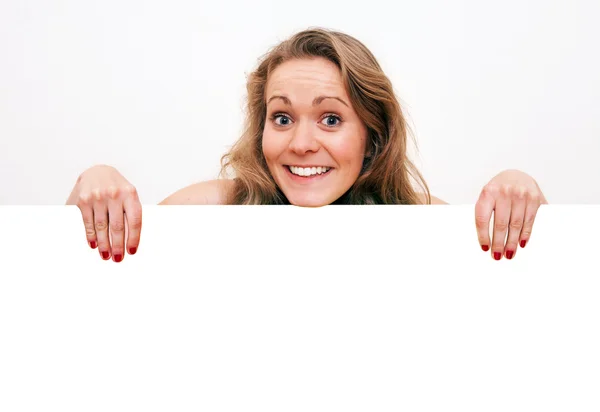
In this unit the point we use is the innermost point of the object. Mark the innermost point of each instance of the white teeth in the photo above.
(308, 171)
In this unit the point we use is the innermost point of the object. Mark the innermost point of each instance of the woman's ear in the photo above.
(370, 145)
(368, 150)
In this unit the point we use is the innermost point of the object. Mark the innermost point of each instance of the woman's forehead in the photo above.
(306, 76)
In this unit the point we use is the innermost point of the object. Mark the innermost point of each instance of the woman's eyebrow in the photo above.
(319, 99)
(315, 102)
(284, 98)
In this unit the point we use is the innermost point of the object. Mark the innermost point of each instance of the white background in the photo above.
(156, 88)
(297, 309)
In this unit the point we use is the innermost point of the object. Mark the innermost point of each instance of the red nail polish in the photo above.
(93, 244)
(509, 254)
(497, 255)
(132, 250)
(105, 255)
(118, 258)
(485, 248)
(523, 243)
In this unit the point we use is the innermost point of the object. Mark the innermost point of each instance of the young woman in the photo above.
(323, 127)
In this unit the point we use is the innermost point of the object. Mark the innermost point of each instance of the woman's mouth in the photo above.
(308, 173)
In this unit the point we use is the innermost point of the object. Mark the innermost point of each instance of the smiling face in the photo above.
(313, 141)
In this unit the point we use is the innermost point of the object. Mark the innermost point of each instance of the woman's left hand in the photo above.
(514, 198)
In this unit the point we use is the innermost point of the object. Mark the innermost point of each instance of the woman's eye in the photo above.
(282, 120)
(331, 120)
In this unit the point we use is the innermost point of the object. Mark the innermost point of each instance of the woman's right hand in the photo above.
(111, 211)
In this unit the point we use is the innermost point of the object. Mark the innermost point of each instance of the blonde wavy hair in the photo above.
(387, 172)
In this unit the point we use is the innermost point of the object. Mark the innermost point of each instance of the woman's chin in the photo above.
(309, 199)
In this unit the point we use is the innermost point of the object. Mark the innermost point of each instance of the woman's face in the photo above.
(313, 141)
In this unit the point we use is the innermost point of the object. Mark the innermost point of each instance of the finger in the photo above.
(133, 214)
(517, 216)
(533, 205)
(116, 225)
(87, 213)
(501, 221)
(483, 214)
(101, 225)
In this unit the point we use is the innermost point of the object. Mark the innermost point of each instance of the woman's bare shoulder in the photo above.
(210, 192)
(434, 200)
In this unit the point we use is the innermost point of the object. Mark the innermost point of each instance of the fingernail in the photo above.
(497, 255)
(485, 248)
(118, 257)
(523, 243)
(93, 244)
(509, 254)
(132, 250)
(105, 255)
